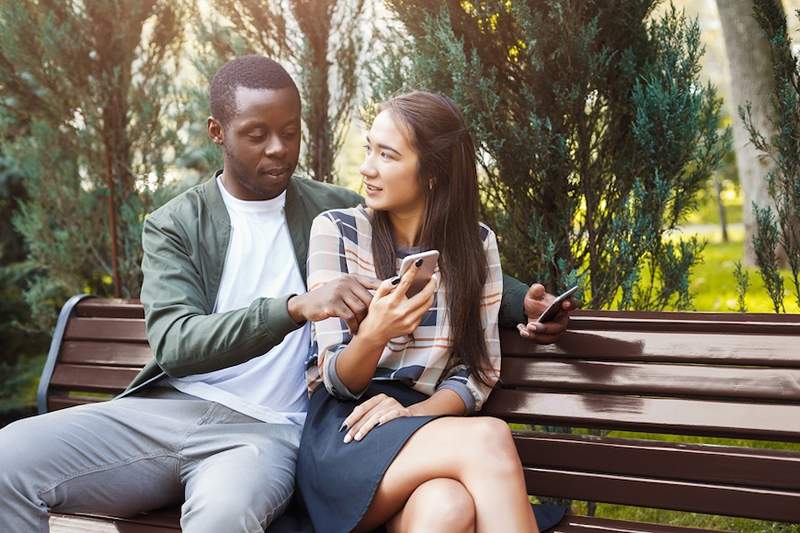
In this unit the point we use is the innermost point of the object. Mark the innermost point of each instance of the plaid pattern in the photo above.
(340, 244)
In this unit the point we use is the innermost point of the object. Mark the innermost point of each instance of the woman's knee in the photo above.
(438, 505)
(492, 444)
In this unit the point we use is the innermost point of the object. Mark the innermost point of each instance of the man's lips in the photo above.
(275, 172)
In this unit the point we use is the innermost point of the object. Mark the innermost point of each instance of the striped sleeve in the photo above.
(327, 262)
(468, 386)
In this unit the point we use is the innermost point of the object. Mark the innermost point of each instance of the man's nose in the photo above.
(276, 148)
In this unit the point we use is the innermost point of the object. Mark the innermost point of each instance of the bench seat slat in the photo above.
(105, 353)
(109, 329)
(654, 379)
(663, 494)
(78, 523)
(93, 378)
(589, 524)
(755, 468)
(660, 346)
(654, 415)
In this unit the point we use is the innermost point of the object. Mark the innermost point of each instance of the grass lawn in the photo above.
(714, 286)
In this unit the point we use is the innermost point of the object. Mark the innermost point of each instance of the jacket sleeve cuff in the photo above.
(332, 380)
(463, 392)
(512, 308)
(276, 318)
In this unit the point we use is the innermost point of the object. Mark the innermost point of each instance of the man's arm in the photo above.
(522, 305)
(184, 335)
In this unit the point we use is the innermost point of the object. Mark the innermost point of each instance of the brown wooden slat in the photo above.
(755, 468)
(94, 378)
(662, 494)
(110, 329)
(76, 523)
(56, 402)
(654, 415)
(654, 379)
(776, 324)
(105, 353)
(587, 524)
(109, 308)
(659, 346)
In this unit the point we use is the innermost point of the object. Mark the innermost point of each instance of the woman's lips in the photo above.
(372, 189)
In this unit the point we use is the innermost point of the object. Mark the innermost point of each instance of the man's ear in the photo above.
(215, 131)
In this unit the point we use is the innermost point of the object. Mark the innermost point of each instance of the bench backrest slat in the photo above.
(690, 381)
(666, 494)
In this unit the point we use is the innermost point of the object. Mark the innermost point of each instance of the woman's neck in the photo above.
(406, 226)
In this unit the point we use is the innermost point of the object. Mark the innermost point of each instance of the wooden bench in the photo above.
(719, 375)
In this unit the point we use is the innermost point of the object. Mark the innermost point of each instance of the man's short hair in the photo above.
(252, 72)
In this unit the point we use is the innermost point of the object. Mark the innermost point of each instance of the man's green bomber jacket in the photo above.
(185, 243)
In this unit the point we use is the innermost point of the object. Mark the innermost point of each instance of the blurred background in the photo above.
(646, 150)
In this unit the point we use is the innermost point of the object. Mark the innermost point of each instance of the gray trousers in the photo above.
(160, 447)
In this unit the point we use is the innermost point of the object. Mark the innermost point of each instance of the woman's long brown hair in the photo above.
(447, 175)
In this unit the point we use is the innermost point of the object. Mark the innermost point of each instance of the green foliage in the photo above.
(594, 130)
(88, 90)
(322, 42)
(781, 230)
(742, 284)
(765, 243)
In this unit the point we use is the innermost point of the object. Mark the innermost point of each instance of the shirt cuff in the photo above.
(336, 386)
(463, 392)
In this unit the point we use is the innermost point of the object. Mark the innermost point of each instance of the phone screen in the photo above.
(553, 309)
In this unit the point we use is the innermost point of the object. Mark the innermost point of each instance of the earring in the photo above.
(430, 185)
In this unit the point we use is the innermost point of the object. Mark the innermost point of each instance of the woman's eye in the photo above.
(385, 156)
(289, 134)
(367, 148)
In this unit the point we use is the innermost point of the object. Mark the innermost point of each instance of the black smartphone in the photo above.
(553, 309)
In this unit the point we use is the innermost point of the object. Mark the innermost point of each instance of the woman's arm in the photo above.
(391, 314)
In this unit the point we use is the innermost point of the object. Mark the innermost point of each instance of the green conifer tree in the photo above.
(594, 130)
(88, 88)
(779, 229)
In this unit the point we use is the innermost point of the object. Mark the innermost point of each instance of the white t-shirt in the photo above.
(260, 263)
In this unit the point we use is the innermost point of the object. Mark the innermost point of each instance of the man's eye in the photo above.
(289, 134)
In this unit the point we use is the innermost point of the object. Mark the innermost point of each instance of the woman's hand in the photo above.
(378, 410)
(391, 313)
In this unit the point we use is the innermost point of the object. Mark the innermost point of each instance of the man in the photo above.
(215, 420)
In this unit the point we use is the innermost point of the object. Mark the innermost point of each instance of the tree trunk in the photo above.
(748, 54)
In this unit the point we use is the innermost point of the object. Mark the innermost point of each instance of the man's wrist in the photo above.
(294, 306)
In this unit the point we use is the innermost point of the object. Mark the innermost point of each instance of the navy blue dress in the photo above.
(337, 481)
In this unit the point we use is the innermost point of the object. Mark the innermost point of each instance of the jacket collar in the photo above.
(296, 219)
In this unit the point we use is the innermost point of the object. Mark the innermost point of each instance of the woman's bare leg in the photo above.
(477, 452)
(437, 505)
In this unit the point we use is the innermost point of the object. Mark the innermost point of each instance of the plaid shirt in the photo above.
(340, 244)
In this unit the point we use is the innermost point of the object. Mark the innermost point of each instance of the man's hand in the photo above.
(536, 301)
(347, 297)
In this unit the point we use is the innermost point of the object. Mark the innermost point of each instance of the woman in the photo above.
(386, 440)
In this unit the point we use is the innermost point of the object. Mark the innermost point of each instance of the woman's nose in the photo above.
(366, 169)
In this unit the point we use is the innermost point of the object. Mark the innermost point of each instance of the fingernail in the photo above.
(347, 438)
(418, 263)
(395, 281)
(343, 427)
